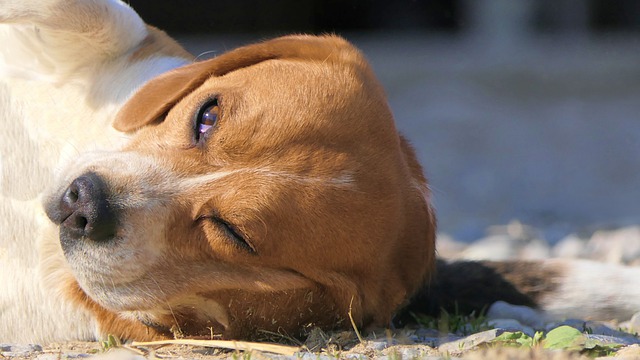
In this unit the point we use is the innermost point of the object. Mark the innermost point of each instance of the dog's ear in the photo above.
(159, 95)
(151, 102)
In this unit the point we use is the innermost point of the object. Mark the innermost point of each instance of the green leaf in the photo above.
(110, 342)
(507, 335)
(560, 338)
(525, 340)
(591, 344)
(564, 337)
(517, 338)
(537, 338)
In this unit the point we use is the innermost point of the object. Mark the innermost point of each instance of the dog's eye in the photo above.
(233, 234)
(207, 118)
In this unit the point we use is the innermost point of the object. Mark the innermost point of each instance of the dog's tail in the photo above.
(558, 288)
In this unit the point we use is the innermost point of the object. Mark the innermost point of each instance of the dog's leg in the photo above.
(558, 288)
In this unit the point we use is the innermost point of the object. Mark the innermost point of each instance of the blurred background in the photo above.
(524, 113)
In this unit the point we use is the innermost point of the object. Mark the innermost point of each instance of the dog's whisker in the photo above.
(205, 53)
(156, 298)
(175, 319)
(113, 284)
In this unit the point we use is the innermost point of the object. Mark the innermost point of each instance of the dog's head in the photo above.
(265, 189)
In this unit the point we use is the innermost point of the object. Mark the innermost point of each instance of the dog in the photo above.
(148, 196)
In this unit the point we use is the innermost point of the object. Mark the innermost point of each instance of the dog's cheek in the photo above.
(184, 240)
(149, 225)
(190, 315)
(235, 314)
(252, 314)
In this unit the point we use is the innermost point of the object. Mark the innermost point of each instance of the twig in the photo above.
(225, 344)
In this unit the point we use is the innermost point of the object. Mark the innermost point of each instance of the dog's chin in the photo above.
(110, 274)
(115, 296)
(121, 298)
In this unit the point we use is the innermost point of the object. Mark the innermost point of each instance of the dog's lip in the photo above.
(50, 209)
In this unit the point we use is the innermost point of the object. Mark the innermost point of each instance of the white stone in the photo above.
(494, 247)
(536, 249)
(616, 246)
(522, 314)
(572, 246)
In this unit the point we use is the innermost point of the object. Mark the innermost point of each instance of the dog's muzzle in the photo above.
(83, 211)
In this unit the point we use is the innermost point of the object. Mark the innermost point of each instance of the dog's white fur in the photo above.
(66, 68)
(593, 290)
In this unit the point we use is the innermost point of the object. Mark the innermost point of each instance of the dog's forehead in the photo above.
(322, 101)
(286, 83)
(325, 120)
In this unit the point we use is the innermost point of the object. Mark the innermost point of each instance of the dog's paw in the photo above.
(16, 10)
(19, 11)
(44, 38)
(69, 15)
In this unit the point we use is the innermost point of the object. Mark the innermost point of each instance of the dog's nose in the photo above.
(84, 210)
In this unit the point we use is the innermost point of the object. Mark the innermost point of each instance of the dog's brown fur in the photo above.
(329, 195)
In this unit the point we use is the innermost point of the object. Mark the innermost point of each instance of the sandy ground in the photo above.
(369, 349)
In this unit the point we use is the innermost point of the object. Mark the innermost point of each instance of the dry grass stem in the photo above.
(353, 323)
(225, 344)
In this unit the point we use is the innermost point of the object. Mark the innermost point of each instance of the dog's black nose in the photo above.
(84, 210)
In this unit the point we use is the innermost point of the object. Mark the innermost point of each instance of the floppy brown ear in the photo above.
(160, 94)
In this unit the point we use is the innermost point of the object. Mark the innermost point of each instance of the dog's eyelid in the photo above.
(239, 238)
(231, 231)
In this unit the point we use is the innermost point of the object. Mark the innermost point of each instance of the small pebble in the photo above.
(18, 350)
(470, 341)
